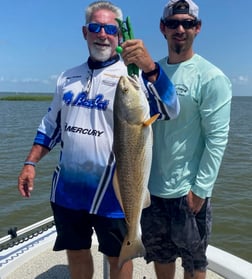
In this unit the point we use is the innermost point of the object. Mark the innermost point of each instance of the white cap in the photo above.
(188, 7)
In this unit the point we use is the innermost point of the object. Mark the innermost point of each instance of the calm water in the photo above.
(232, 201)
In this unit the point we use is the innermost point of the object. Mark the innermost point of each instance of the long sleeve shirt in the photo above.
(188, 150)
(80, 117)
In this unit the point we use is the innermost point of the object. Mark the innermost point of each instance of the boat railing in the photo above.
(220, 262)
(16, 237)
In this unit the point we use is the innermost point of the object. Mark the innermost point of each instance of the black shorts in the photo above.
(75, 229)
(170, 230)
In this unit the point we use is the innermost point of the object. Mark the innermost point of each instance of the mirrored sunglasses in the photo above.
(174, 23)
(96, 28)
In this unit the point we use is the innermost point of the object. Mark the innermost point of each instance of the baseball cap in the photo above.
(174, 7)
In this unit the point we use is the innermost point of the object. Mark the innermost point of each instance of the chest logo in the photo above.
(82, 100)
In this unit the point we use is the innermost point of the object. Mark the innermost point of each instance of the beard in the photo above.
(100, 53)
(183, 46)
(178, 49)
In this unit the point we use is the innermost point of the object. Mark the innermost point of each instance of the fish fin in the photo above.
(117, 189)
(147, 201)
(131, 249)
(151, 120)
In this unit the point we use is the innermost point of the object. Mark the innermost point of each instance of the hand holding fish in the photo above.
(135, 52)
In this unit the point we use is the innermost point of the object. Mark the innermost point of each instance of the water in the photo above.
(232, 198)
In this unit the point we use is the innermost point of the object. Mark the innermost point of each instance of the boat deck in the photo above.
(31, 257)
(53, 265)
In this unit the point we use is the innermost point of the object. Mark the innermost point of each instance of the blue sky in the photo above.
(41, 38)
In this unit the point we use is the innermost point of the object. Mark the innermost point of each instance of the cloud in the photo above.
(53, 77)
(241, 80)
(50, 79)
(30, 80)
(241, 85)
(28, 84)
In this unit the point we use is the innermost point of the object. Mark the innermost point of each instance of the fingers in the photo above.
(194, 202)
(25, 190)
(25, 187)
(25, 181)
(134, 52)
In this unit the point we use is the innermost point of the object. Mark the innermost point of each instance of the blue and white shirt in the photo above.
(80, 118)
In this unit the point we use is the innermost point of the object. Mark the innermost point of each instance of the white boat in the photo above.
(30, 248)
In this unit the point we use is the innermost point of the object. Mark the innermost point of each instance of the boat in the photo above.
(20, 250)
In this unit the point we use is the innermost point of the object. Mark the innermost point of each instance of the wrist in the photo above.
(30, 163)
(155, 71)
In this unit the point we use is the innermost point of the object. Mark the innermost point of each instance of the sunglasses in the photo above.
(96, 28)
(174, 23)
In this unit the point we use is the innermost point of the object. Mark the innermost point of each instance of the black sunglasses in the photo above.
(96, 28)
(174, 23)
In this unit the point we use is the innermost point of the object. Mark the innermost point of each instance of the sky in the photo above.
(41, 38)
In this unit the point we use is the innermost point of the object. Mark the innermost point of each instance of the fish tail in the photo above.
(130, 250)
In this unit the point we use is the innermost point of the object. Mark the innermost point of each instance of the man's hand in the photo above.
(134, 52)
(194, 202)
(26, 180)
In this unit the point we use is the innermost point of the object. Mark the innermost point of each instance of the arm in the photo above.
(27, 175)
(215, 106)
(48, 135)
(162, 96)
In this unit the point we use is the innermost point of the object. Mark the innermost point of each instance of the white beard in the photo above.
(100, 53)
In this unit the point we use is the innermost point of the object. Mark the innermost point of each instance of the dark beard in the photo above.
(178, 49)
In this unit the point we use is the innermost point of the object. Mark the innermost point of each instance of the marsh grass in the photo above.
(27, 97)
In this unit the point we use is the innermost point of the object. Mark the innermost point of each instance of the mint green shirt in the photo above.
(188, 150)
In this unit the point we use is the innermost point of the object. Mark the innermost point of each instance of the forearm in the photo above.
(37, 153)
(207, 174)
(215, 108)
(27, 175)
(216, 129)
(163, 98)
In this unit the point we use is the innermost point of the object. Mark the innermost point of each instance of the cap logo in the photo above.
(180, 8)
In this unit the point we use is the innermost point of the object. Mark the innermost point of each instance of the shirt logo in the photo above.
(181, 89)
(82, 100)
(83, 131)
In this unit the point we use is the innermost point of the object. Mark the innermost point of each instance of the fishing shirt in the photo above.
(80, 118)
(188, 150)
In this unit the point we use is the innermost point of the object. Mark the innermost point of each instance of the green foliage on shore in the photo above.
(27, 97)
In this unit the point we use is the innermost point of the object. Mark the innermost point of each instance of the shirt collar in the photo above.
(93, 65)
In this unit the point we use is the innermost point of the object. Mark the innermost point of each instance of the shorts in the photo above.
(170, 230)
(75, 229)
